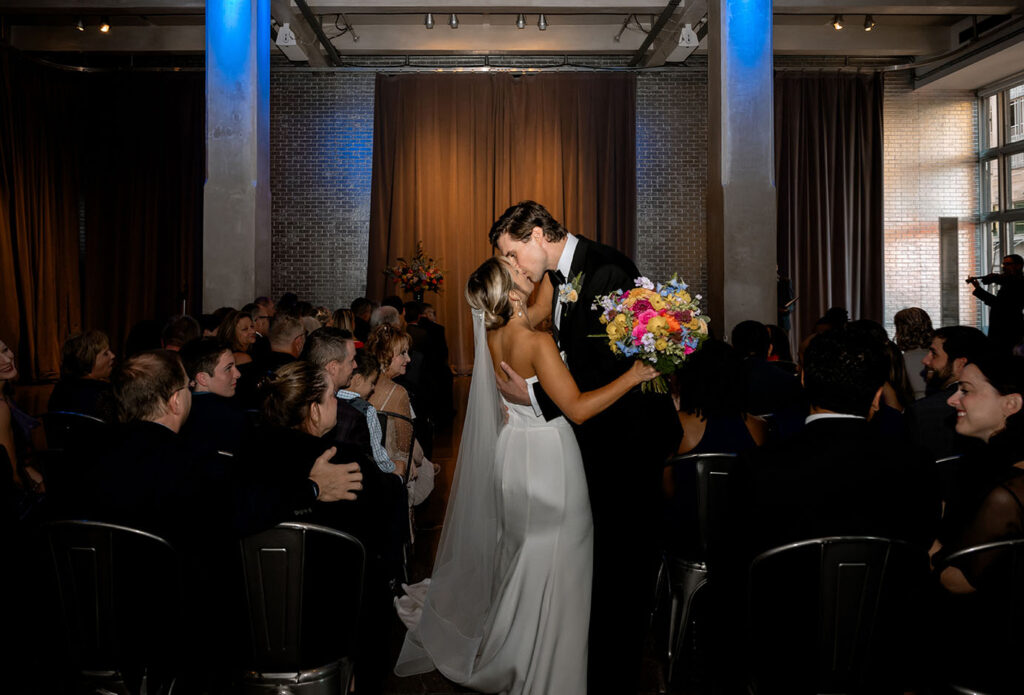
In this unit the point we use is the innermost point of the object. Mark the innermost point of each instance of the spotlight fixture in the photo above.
(837, 22)
(869, 23)
(105, 25)
(542, 23)
(428, 22)
(453, 21)
(80, 24)
(521, 21)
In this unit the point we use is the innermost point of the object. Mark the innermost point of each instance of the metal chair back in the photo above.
(116, 592)
(835, 615)
(303, 586)
(67, 430)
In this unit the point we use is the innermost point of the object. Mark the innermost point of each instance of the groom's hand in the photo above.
(514, 389)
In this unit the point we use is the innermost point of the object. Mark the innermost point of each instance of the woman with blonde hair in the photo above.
(85, 367)
(508, 606)
(390, 346)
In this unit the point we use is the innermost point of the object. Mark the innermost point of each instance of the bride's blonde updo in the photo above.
(488, 289)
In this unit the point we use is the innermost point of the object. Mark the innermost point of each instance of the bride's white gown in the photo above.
(509, 612)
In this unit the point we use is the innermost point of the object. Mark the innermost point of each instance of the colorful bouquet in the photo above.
(417, 276)
(660, 324)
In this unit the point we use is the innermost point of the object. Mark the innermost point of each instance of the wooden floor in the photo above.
(429, 519)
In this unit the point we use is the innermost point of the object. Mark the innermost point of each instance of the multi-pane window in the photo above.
(1002, 171)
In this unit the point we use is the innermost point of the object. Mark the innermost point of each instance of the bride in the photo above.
(508, 607)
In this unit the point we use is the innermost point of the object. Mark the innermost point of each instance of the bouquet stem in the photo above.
(657, 385)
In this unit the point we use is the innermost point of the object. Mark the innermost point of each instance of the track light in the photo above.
(869, 23)
(428, 22)
(105, 25)
(542, 23)
(80, 24)
(521, 21)
(837, 22)
(453, 21)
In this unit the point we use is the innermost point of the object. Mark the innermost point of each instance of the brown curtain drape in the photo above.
(828, 151)
(39, 280)
(451, 152)
(143, 191)
(128, 150)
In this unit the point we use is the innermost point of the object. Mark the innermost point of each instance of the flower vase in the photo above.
(417, 295)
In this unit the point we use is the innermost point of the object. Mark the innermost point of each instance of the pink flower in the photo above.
(687, 349)
(646, 316)
(641, 306)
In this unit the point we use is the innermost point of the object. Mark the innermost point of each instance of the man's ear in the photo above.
(537, 233)
(203, 379)
(174, 404)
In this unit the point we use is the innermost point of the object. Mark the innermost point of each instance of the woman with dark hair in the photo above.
(239, 331)
(15, 425)
(988, 403)
(913, 337)
(712, 386)
(780, 347)
(85, 367)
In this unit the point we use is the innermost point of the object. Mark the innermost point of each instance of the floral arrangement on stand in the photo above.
(658, 323)
(419, 275)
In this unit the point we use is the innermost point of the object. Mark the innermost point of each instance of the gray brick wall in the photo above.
(321, 148)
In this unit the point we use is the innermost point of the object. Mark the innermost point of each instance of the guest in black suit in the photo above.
(930, 421)
(838, 476)
(362, 308)
(287, 338)
(85, 367)
(771, 389)
(217, 422)
(178, 331)
(623, 469)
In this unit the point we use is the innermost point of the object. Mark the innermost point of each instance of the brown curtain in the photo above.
(39, 282)
(128, 149)
(451, 152)
(144, 162)
(828, 151)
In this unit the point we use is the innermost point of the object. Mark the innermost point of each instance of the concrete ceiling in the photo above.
(936, 36)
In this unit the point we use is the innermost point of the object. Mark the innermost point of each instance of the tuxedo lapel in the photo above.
(575, 268)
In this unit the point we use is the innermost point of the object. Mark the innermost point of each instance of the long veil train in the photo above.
(458, 601)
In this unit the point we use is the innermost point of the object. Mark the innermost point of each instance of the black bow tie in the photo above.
(557, 276)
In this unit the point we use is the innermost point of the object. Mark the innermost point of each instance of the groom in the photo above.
(623, 448)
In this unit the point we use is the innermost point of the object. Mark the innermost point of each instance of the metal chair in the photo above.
(687, 577)
(303, 587)
(66, 430)
(993, 639)
(835, 615)
(116, 595)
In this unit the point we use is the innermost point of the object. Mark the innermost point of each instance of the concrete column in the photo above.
(741, 178)
(236, 198)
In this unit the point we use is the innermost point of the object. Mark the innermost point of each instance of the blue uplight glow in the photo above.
(749, 27)
(228, 36)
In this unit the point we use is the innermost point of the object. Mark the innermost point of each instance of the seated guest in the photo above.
(988, 403)
(261, 323)
(343, 319)
(238, 331)
(288, 304)
(838, 476)
(913, 336)
(179, 330)
(217, 422)
(287, 338)
(362, 309)
(771, 389)
(972, 644)
(85, 367)
(779, 349)
(712, 410)
(209, 323)
(929, 422)
(390, 346)
(15, 425)
(388, 314)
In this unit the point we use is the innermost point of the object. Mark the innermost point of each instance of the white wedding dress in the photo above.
(508, 607)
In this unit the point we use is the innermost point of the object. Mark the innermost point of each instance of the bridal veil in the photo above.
(458, 600)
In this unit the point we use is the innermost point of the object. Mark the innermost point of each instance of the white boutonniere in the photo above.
(569, 292)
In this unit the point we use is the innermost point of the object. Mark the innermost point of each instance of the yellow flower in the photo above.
(683, 297)
(660, 344)
(657, 302)
(695, 325)
(703, 326)
(618, 328)
(658, 326)
(573, 296)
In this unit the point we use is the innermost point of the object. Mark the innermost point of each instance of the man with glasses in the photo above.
(1006, 321)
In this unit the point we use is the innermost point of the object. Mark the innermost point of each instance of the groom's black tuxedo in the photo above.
(623, 451)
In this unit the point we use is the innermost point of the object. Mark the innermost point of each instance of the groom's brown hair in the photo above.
(520, 219)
